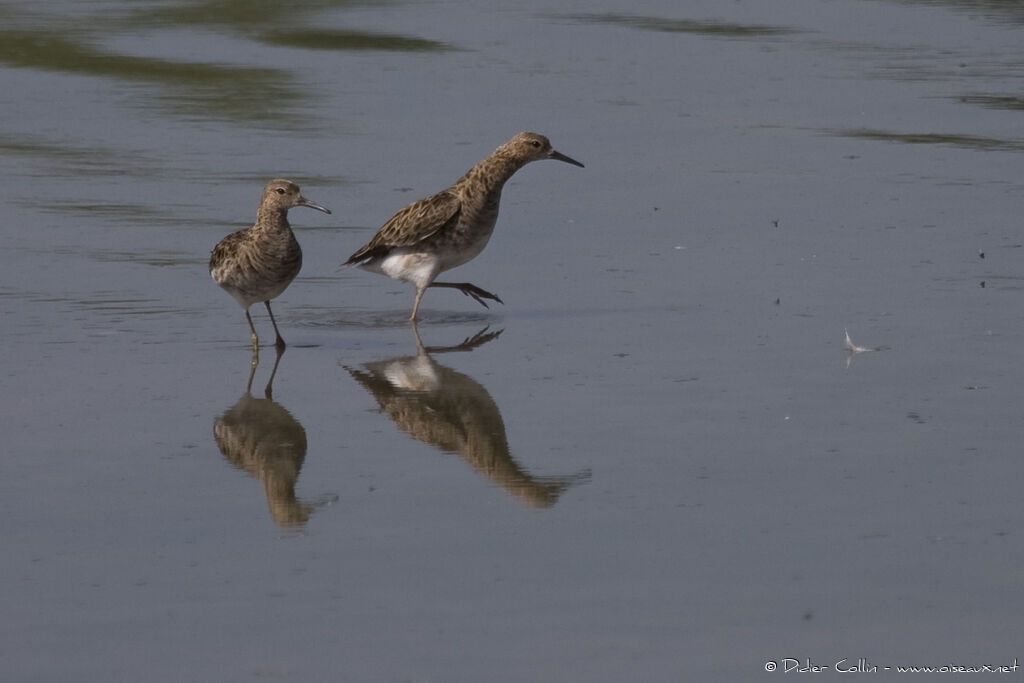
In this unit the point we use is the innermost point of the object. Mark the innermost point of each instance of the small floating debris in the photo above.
(853, 350)
(850, 346)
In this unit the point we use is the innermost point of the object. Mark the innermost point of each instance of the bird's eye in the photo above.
(535, 143)
(280, 190)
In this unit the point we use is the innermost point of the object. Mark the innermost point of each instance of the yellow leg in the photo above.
(252, 329)
(416, 303)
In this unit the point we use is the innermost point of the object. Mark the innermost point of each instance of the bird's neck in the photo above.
(272, 220)
(492, 172)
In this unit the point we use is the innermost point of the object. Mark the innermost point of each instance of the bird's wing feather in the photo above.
(413, 224)
(226, 247)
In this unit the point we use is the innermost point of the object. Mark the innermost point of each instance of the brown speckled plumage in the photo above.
(258, 263)
(453, 226)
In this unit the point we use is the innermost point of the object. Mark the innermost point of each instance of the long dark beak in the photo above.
(313, 205)
(562, 157)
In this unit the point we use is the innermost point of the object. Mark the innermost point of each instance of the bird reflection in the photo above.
(453, 412)
(258, 436)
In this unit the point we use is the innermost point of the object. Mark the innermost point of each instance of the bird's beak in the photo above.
(562, 157)
(313, 205)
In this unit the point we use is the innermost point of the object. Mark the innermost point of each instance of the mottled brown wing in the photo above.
(412, 225)
(226, 248)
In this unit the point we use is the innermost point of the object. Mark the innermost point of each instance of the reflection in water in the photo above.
(948, 140)
(235, 92)
(453, 412)
(259, 436)
(1010, 102)
(246, 94)
(338, 39)
(721, 29)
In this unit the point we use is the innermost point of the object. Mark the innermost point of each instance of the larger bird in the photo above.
(258, 263)
(448, 229)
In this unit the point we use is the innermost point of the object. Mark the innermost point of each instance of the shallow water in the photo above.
(656, 461)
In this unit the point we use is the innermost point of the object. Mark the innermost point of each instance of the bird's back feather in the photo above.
(417, 222)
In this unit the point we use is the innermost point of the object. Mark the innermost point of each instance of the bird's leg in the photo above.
(279, 342)
(416, 303)
(470, 290)
(255, 337)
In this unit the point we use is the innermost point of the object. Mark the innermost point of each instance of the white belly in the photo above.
(416, 267)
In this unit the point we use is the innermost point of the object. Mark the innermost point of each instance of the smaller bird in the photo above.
(452, 227)
(258, 263)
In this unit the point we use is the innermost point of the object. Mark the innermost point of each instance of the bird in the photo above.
(448, 229)
(259, 262)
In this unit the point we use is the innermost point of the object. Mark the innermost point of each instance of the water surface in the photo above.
(656, 461)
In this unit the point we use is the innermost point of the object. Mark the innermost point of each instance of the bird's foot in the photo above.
(477, 293)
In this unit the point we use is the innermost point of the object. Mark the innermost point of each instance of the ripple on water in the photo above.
(712, 27)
